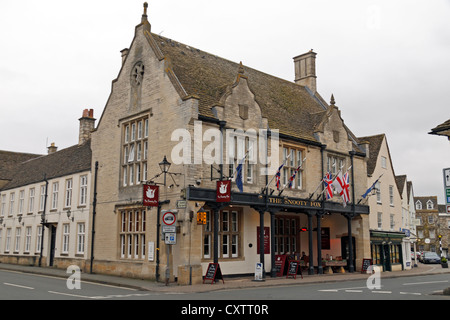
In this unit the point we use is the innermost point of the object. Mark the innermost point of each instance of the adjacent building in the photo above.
(392, 216)
(44, 206)
(427, 212)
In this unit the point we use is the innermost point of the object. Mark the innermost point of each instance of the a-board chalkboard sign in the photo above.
(365, 265)
(213, 273)
(280, 261)
(293, 269)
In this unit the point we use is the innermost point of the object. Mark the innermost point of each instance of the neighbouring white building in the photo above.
(44, 207)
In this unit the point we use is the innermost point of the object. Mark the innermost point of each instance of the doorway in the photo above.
(52, 244)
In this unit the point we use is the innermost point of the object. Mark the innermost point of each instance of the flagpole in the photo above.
(273, 177)
(295, 172)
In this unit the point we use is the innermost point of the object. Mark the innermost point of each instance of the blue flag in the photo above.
(239, 182)
(371, 187)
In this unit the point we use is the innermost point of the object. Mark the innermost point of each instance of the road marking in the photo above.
(70, 295)
(18, 286)
(358, 291)
(428, 282)
(381, 291)
(329, 290)
(412, 293)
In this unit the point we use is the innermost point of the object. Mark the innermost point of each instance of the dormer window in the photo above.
(418, 205)
(430, 205)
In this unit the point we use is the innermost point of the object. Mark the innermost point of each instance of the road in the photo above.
(23, 286)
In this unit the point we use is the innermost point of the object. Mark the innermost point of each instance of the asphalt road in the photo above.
(23, 286)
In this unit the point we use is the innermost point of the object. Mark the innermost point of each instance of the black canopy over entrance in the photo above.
(272, 204)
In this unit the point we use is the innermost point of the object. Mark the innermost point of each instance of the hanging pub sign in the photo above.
(223, 191)
(151, 196)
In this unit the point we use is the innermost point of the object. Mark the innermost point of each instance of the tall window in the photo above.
(229, 235)
(17, 244)
(31, 200)
(81, 236)
(68, 194)
(132, 234)
(55, 190)
(287, 230)
(3, 205)
(135, 152)
(293, 162)
(66, 235)
(83, 190)
(38, 239)
(12, 197)
(42, 199)
(21, 201)
(335, 163)
(391, 195)
(27, 239)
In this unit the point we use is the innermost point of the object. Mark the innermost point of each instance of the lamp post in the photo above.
(164, 166)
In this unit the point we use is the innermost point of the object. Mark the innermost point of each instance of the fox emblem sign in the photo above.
(223, 191)
(151, 196)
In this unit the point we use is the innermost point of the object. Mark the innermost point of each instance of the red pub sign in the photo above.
(151, 196)
(223, 191)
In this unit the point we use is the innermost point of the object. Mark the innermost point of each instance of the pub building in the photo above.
(179, 107)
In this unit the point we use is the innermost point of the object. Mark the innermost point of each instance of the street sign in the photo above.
(169, 229)
(169, 218)
(170, 238)
(447, 177)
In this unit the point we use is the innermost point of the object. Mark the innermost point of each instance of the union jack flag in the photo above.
(278, 177)
(328, 180)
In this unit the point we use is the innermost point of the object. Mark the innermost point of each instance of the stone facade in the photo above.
(150, 100)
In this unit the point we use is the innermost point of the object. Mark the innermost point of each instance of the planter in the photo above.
(444, 265)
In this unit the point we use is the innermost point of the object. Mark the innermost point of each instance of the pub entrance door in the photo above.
(344, 249)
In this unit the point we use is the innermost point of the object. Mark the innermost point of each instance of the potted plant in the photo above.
(444, 262)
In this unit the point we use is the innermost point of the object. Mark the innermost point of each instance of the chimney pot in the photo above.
(52, 148)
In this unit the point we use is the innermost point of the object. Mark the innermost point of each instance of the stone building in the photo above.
(208, 117)
(427, 212)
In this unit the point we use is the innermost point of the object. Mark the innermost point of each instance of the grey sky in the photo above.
(386, 62)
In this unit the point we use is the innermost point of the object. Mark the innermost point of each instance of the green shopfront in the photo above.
(387, 249)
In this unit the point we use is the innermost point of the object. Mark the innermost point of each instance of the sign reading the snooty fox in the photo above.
(151, 196)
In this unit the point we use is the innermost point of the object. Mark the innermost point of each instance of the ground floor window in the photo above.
(132, 233)
(286, 234)
(229, 234)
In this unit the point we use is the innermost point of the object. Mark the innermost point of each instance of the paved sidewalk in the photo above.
(230, 283)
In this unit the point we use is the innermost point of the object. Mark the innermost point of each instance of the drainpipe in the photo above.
(43, 220)
(94, 211)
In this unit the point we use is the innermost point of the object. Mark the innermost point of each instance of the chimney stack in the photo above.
(52, 148)
(87, 124)
(305, 70)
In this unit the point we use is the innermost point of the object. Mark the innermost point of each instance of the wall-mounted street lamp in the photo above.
(68, 215)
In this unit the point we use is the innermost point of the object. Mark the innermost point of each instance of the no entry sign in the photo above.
(169, 218)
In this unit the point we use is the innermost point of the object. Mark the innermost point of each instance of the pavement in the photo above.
(228, 284)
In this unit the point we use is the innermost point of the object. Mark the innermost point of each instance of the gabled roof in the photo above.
(442, 129)
(67, 161)
(374, 149)
(400, 181)
(289, 107)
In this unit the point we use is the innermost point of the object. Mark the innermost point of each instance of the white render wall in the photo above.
(56, 216)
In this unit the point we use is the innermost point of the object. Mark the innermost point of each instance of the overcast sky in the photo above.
(386, 62)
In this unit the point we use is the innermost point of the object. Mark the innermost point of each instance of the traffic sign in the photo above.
(169, 218)
(170, 238)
